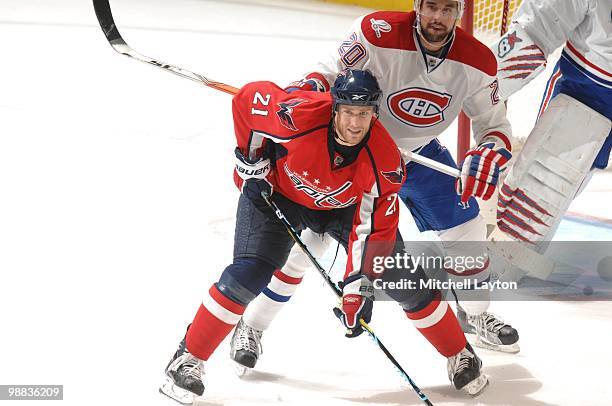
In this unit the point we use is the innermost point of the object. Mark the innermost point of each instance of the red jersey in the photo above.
(295, 128)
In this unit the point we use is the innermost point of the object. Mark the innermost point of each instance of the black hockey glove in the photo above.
(357, 303)
(253, 172)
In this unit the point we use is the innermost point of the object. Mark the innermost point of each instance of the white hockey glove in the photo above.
(253, 173)
(481, 168)
(357, 303)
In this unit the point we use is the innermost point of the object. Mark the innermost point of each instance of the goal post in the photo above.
(487, 20)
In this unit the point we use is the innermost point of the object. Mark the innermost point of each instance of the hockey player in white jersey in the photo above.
(572, 137)
(428, 75)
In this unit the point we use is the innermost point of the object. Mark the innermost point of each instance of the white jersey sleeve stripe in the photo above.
(364, 228)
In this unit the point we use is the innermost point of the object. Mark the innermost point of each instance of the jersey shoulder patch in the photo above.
(389, 29)
(469, 51)
(304, 110)
(396, 176)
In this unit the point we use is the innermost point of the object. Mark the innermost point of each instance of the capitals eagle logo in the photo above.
(395, 176)
(286, 109)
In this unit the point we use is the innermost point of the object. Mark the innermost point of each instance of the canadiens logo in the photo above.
(286, 109)
(395, 176)
(419, 107)
(380, 26)
(322, 198)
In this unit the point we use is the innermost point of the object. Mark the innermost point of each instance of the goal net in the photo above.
(490, 18)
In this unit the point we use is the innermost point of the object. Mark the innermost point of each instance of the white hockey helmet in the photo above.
(460, 6)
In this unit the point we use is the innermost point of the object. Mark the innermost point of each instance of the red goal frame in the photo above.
(464, 125)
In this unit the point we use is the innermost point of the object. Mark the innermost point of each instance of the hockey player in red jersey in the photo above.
(429, 70)
(330, 166)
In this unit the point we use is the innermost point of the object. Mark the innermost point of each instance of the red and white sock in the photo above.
(214, 320)
(439, 326)
(266, 306)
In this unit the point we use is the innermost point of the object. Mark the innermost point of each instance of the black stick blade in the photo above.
(109, 28)
(107, 23)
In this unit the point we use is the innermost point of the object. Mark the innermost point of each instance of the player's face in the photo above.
(352, 123)
(438, 19)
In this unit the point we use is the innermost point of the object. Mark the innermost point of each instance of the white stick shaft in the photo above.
(430, 163)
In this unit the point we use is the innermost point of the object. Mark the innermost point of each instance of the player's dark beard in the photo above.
(434, 37)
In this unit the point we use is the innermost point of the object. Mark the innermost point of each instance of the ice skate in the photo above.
(490, 332)
(245, 347)
(184, 377)
(464, 371)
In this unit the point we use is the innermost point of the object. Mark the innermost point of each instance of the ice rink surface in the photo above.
(117, 207)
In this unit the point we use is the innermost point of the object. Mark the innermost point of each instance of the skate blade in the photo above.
(176, 393)
(477, 386)
(241, 370)
(508, 349)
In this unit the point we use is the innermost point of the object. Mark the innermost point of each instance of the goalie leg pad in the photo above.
(547, 174)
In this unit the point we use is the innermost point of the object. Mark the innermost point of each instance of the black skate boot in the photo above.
(464, 371)
(245, 347)
(185, 374)
(491, 332)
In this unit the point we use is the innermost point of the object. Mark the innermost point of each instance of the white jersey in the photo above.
(422, 95)
(585, 26)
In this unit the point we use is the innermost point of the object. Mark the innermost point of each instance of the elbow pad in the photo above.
(519, 60)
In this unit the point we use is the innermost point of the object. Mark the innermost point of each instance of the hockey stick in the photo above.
(430, 163)
(294, 235)
(110, 30)
(107, 23)
(104, 14)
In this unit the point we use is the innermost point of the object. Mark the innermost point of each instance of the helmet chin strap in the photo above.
(337, 135)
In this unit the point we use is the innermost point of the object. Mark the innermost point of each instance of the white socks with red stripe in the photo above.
(266, 306)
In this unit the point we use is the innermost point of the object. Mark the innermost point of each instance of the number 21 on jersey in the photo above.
(257, 100)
